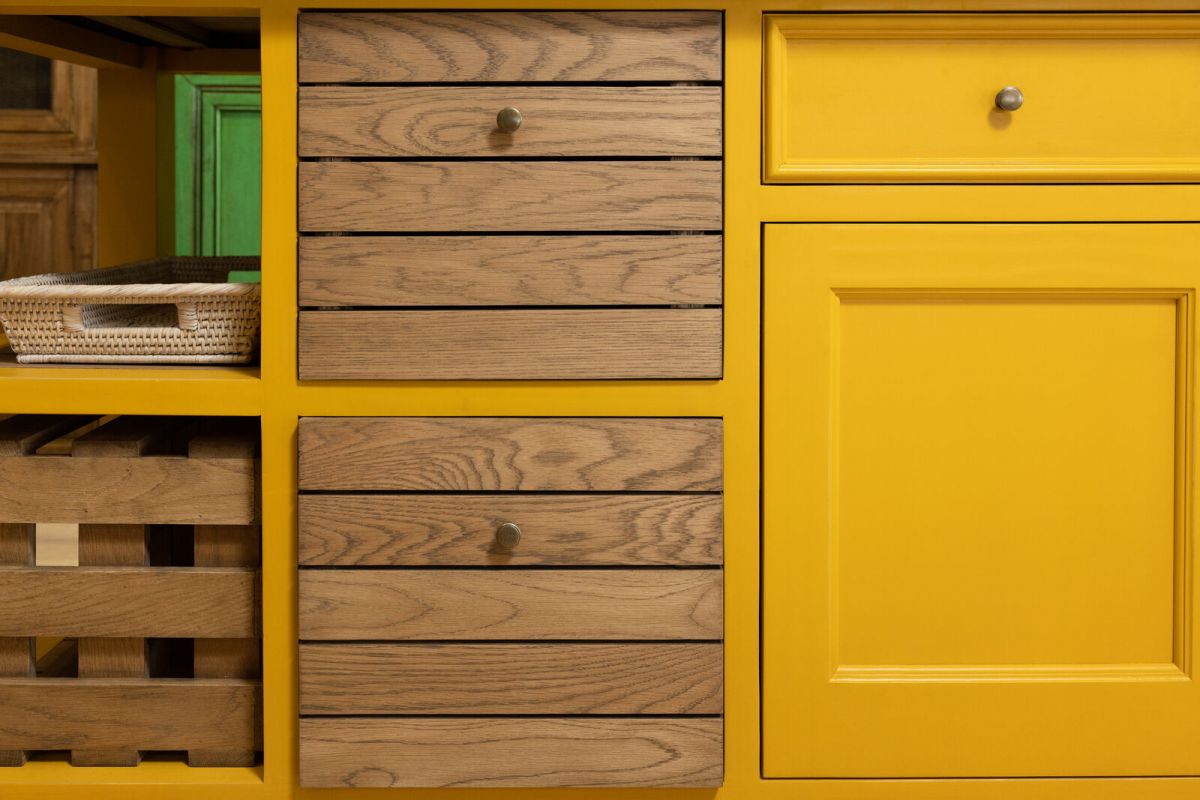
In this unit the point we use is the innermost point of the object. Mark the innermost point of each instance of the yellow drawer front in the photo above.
(883, 98)
(979, 478)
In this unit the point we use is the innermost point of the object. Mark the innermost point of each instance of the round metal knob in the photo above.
(1010, 98)
(508, 536)
(509, 119)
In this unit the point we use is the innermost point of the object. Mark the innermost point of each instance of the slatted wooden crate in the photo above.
(159, 624)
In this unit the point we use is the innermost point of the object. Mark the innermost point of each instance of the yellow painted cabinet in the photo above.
(978, 507)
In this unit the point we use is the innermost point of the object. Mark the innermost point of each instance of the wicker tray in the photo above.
(165, 311)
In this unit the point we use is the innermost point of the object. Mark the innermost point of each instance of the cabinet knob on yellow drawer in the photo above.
(1010, 98)
(508, 536)
(509, 119)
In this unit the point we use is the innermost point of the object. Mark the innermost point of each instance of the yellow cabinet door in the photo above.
(978, 500)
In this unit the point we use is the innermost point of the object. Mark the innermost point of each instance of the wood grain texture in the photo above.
(166, 490)
(459, 530)
(469, 752)
(129, 601)
(369, 604)
(454, 196)
(510, 679)
(558, 46)
(23, 434)
(602, 454)
(595, 121)
(562, 270)
(18, 655)
(131, 435)
(511, 344)
(127, 713)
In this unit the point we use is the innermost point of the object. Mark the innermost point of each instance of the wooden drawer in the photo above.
(569, 212)
(610, 676)
(534, 46)
(1095, 105)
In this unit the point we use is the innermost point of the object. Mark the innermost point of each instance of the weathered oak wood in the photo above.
(129, 601)
(517, 344)
(166, 490)
(510, 679)
(459, 530)
(604, 454)
(341, 605)
(453, 196)
(510, 752)
(18, 655)
(129, 713)
(126, 436)
(510, 270)
(594, 121)
(510, 46)
(23, 434)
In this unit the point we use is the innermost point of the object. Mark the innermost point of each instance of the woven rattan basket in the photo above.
(176, 310)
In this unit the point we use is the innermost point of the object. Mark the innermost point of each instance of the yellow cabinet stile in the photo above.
(978, 519)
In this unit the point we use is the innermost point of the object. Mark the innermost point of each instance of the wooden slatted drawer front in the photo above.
(467, 752)
(594, 121)
(510, 454)
(459, 529)
(534, 46)
(451, 196)
(484, 604)
(660, 678)
(596, 270)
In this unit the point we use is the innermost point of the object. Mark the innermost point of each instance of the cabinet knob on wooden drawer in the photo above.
(1010, 98)
(508, 536)
(509, 119)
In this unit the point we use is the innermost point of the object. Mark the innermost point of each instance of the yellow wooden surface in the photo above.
(274, 392)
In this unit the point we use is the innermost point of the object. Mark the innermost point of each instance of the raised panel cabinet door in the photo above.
(979, 500)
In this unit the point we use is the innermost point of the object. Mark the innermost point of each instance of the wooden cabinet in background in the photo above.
(47, 166)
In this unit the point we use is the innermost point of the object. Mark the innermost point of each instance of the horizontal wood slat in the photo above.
(596, 121)
(133, 713)
(510, 453)
(340, 605)
(510, 195)
(533, 344)
(510, 270)
(459, 530)
(129, 601)
(427, 47)
(23, 434)
(510, 679)
(165, 490)
(510, 752)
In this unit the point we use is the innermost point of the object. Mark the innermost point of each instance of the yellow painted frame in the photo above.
(274, 393)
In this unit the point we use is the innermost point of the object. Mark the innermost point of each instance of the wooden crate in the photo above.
(160, 624)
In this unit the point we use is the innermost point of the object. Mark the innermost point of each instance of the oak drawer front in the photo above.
(466, 752)
(443, 121)
(481, 678)
(534, 46)
(1093, 108)
(497, 454)
(550, 344)
(556, 530)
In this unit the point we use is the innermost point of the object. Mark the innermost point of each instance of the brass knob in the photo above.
(1010, 98)
(508, 536)
(509, 119)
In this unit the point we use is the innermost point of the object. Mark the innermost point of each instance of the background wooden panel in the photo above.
(510, 752)
(510, 679)
(166, 490)
(510, 270)
(130, 713)
(457, 196)
(129, 601)
(511, 344)
(558, 121)
(511, 46)
(603, 454)
(340, 605)
(459, 530)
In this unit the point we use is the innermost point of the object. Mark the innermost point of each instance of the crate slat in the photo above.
(130, 601)
(18, 542)
(23, 434)
(126, 713)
